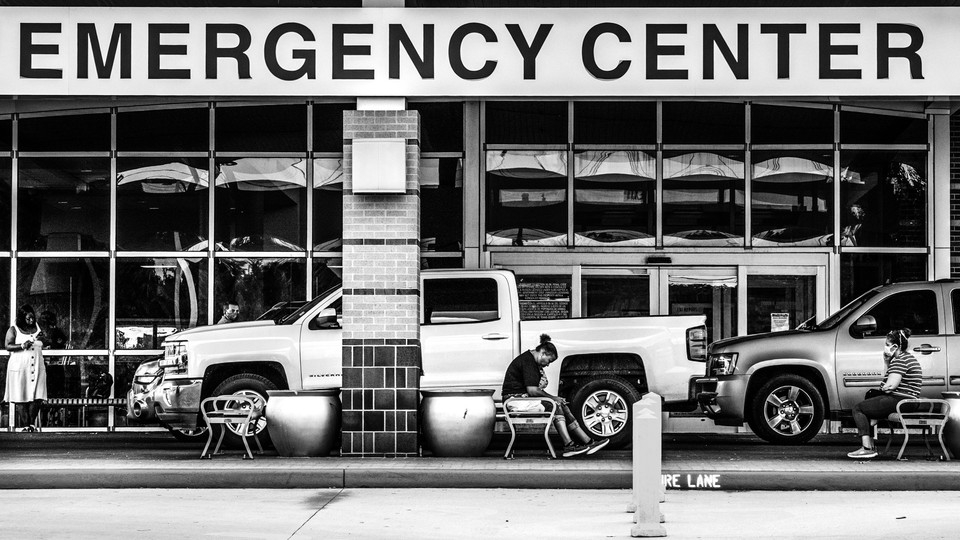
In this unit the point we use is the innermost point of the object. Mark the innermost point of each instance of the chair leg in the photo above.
(223, 432)
(886, 449)
(204, 454)
(243, 437)
(906, 437)
(546, 437)
(946, 453)
(513, 437)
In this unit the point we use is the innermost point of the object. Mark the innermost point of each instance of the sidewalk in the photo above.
(695, 461)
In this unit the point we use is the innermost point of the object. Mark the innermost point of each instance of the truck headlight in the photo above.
(722, 363)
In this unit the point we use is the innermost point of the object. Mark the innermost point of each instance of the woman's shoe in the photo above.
(863, 453)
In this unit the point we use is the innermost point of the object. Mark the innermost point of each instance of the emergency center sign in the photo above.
(741, 52)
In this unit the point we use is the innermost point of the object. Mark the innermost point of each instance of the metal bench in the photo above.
(532, 416)
(230, 409)
(928, 415)
(63, 403)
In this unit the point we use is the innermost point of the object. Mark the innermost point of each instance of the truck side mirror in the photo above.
(865, 325)
(327, 318)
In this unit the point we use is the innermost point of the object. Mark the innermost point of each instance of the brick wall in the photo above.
(955, 195)
(381, 301)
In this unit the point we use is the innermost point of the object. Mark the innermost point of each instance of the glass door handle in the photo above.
(926, 349)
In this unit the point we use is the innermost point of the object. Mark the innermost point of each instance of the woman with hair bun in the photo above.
(902, 381)
(525, 378)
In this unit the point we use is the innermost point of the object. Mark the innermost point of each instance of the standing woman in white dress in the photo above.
(26, 373)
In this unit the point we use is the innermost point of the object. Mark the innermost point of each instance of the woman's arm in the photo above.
(892, 382)
(10, 343)
(534, 391)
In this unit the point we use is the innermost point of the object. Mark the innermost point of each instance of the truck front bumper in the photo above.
(722, 398)
(177, 402)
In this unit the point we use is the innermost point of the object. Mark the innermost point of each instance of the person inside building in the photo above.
(26, 374)
(53, 337)
(231, 311)
(525, 378)
(901, 381)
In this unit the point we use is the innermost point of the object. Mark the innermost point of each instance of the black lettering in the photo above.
(120, 41)
(238, 53)
(828, 50)
(28, 49)
(340, 50)
(588, 51)
(655, 50)
(783, 32)
(885, 52)
(530, 51)
(155, 50)
(423, 64)
(713, 38)
(456, 44)
(307, 68)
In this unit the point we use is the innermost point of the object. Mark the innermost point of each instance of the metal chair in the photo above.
(226, 410)
(532, 416)
(928, 415)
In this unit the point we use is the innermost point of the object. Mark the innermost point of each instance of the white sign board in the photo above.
(779, 322)
(737, 52)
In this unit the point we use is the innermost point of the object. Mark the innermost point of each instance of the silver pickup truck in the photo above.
(784, 384)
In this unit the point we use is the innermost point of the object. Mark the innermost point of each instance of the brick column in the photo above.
(381, 300)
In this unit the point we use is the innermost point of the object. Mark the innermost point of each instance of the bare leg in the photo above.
(561, 427)
(573, 426)
(867, 441)
(33, 410)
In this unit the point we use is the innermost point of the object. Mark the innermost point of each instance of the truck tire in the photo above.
(787, 409)
(196, 435)
(604, 408)
(254, 387)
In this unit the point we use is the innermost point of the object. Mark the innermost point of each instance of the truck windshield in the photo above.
(835, 319)
(293, 317)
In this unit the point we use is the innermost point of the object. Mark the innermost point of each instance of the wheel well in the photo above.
(579, 369)
(218, 373)
(762, 376)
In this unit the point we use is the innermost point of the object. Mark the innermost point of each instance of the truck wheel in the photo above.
(195, 435)
(254, 387)
(604, 408)
(787, 409)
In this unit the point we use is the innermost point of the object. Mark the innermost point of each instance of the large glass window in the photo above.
(772, 124)
(271, 128)
(61, 133)
(5, 294)
(526, 198)
(776, 303)
(703, 198)
(6, 134)
(256, 284)
(328, 204)
(328, 126)
(441, 126)
(614, 122)
(6, 196)
(692, 122)
(260, 204)
(452, 301)
(792, 198)
(172, 130)
(70, 295)
(162, 204)
(696, 292)
(526, 122)
(872, 128)
(327, 273)
(614, 198)
(860, 272)
(76, 377)
(441, 201)
(157, 297)
(615, 296)
(884, 202)
(63, 204)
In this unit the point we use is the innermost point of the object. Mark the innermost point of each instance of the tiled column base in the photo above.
(380, 393)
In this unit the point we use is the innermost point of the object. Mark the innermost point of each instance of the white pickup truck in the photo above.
(470, 331)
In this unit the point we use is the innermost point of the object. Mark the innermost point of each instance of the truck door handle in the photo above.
(926, 349)
(494, 336)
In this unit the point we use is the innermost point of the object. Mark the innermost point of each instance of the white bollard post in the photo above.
(647, 432)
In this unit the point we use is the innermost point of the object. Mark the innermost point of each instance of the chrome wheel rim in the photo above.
(258, 401)
(789, 411)
(195, 432)
(605, 413)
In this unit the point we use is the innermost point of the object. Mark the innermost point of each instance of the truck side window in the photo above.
(955, 300)
(916, 310)
(458, 301)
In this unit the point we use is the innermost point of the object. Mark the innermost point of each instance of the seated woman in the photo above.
(525, 378)
(902, 381)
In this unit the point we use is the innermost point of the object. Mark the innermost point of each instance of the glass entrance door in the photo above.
(710, 291)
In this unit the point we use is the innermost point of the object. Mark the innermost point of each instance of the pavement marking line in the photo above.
(339, 491)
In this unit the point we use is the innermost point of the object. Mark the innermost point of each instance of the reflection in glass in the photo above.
(441, 126)
(77, 377)
(327, 273)
(328, 126)
(171, 130)
(257, 284)
(775, 124)
(6, 134)
(157, 297)
(262, 128)
(526, 122)
(860, 272)
(327, 204)
(614, 122)
(693, 122)
(615, 296)
(792, 198)
(526, 198)
(703, 199)
(63, 204)
(4, 295)
(870, 128)
(614, 198)
(427, 263)
(75, 293)
(703, 293)
(161, 204)
(884, 200)
(776, 303)
(64, 133)
(441, 202)
(260, 204)
(6, 208)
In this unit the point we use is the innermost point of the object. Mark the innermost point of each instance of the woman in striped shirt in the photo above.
(902, 381)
